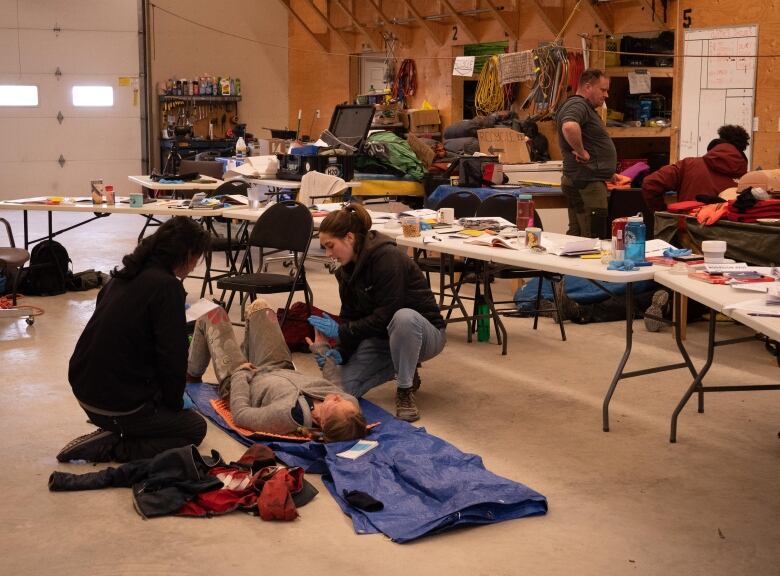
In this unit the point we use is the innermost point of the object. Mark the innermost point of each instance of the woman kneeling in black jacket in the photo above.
(129, 367)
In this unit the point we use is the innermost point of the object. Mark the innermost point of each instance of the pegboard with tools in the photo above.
(211, 117)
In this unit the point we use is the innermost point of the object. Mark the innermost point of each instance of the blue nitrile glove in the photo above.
(332, 353)
(622, 265)
(326, 325)
(188, 403)
(425, 226)
(673, 252)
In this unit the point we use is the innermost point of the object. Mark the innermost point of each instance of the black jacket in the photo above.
(381, 282)
(134, 348)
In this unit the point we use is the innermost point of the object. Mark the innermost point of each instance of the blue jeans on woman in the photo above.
(412, 339)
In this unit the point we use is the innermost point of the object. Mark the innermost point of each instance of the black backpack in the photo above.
(49, 270)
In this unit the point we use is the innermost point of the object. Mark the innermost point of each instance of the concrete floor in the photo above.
(623, 502)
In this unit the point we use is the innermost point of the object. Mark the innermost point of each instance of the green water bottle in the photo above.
(483, 321)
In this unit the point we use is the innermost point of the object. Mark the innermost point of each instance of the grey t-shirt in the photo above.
(603, 157)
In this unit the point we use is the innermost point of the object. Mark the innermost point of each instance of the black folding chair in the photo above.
(465, 204)
(284, 227)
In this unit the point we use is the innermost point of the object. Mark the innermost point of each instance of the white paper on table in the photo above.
(726, 267)
(638, 83)
(568, 247)
(757, 305)
(421, 213)
(464, 66)
(375, 216)
(754, 286)
(656, 247)
(200, 308)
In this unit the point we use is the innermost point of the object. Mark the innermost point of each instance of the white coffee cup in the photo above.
(446, 215)
(714, 251)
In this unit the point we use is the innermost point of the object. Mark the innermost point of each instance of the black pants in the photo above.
(151, 430)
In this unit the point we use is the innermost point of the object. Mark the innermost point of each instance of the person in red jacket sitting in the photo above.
(708, 175)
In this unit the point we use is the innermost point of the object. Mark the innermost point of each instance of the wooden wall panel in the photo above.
(319, 80)
(765, 13)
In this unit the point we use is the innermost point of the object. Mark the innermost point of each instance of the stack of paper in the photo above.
(571, 247)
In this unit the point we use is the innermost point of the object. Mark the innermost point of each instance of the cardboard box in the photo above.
(421, 120)
(270, 147)
(508, 145)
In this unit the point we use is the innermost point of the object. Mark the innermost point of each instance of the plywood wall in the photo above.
(766, 14)
(244, 39)
(321, 80)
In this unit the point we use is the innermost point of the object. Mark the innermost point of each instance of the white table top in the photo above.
(717, 296)
(84, 204)
(147, 182)
(584, 268)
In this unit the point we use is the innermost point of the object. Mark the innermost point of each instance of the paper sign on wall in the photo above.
(638, 82)
(464, 66)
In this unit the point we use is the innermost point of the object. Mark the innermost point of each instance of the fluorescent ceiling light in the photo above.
(16, 95)
(93, 96)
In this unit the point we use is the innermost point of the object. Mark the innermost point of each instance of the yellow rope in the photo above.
(489, 96)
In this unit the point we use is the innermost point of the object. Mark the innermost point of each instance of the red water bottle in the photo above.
(525, 211)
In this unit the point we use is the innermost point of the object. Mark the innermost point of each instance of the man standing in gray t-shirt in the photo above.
(589, 157)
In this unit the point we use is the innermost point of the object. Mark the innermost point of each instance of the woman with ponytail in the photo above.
(129, 367)
(390, 319)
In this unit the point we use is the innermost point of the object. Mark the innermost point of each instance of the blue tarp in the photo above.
(426, 484)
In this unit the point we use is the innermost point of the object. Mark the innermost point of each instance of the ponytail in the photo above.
(352, 218)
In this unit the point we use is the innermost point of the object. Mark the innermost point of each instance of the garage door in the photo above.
(55, 147)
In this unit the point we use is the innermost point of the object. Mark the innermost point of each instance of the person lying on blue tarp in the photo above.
(265, 391)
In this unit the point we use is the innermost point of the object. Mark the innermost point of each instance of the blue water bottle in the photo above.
(635, 236)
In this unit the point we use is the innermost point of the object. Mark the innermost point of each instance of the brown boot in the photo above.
(405, 406)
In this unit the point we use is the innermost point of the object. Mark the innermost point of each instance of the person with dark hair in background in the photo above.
(129, 367)
(589, 155)
(707, 175)
(391, 321)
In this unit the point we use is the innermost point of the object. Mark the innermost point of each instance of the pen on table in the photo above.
(763, 315)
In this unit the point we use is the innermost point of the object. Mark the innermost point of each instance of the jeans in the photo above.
(582, 201)
(214, 339)
(412, 339)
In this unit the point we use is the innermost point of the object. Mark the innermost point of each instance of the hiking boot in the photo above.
(656, 308)
(416, 381)
(405, 406)
(96, 446)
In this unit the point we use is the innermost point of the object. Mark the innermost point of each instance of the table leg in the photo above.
(26, 231)
(696, 384)
(626, 353)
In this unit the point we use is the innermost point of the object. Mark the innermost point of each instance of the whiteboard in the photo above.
(718, 84)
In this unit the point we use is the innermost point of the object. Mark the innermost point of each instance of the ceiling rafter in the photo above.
(509, 22)
(602, 20)
(339, 34)
(432, 29)
(545, 17)
(321, 39)
(378, 7)
(372, 39)
(465, 26)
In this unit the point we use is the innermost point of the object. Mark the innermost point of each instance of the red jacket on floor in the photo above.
(710, 175)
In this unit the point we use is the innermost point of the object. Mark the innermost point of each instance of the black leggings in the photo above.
(151, 430)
